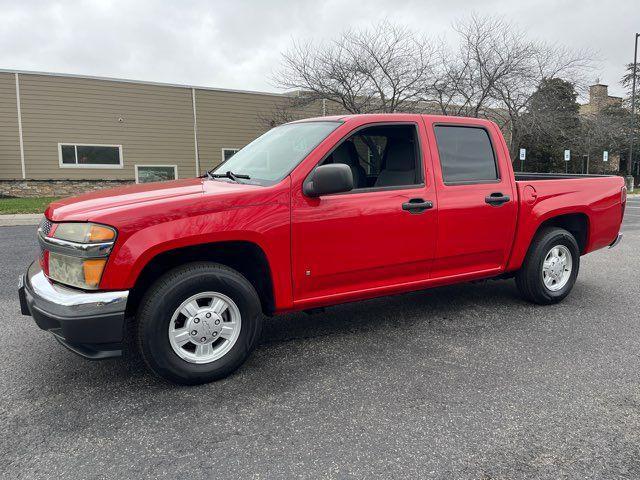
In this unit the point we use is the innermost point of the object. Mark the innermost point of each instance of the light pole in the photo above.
(633, 104)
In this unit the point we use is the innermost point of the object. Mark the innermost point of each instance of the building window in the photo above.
(156, 173)
(76, 155)
(227, 153)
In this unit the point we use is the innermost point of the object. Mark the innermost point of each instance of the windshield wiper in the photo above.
(230, 175)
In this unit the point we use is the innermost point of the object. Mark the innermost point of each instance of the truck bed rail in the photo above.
(527, 176)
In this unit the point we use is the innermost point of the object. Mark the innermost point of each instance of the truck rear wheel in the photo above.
(551, 267)
(198, 323)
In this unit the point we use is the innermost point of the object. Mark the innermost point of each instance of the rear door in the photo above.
(477, 201)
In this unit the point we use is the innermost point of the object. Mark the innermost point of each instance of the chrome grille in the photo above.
(45, 227)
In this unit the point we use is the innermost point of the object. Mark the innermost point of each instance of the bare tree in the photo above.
(547, 62)
(380, 69)
(492, 72)
(495, 70)
(292, 107)
(489, 51)
(605, 130)
(453, 88)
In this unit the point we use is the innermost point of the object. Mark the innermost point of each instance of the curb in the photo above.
(20, 219)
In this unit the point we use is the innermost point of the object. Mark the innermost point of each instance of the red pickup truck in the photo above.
(313, 213)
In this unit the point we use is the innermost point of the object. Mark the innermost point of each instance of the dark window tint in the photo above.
(156, 173)
(68, 154)
(89, 155)
(466, 154)
(227, 153)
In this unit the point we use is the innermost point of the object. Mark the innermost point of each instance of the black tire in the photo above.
(167, 294)
(529, 277)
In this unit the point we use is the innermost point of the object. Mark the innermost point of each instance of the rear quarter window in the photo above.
(466, 154)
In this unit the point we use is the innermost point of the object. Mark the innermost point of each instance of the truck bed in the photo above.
(595, 200)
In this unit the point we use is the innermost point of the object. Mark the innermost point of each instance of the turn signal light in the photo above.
(92, 269)
(98, 233)
(76, 272)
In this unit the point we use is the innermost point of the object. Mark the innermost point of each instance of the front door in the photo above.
(380, 234)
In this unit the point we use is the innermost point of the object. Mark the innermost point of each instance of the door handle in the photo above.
(417, 205)
(496, 199)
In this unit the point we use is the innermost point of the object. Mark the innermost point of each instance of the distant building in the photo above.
(63, 134)
(599, 99)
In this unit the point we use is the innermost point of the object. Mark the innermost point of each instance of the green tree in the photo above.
(550, 125)
(627, 83)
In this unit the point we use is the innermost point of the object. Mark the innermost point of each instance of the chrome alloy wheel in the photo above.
(556, 268)
(204, 327)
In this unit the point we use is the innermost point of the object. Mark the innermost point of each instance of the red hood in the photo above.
(81, 207)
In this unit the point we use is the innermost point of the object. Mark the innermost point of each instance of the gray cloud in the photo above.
(237, 44)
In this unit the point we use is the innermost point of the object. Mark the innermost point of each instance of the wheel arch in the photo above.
(246, 257)
(575, 222)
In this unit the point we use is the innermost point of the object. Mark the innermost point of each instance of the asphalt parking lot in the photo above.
(463, 382)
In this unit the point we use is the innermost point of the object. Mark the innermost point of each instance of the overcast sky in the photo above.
(237, 44)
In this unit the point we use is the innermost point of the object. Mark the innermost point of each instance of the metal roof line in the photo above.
(139, 82)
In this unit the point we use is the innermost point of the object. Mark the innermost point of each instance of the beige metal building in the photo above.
(61, 134)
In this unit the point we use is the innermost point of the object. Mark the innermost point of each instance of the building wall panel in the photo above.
(153, 123)
(231, 120)
(10, 165)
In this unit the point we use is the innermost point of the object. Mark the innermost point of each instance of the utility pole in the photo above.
(633, 105)
(588, 153)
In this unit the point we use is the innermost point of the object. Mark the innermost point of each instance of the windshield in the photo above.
(271, 157)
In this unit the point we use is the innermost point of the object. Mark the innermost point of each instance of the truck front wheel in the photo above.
(198, 323)
(550, 268)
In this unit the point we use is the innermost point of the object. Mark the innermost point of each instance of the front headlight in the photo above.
(76, 254)
(84, 233)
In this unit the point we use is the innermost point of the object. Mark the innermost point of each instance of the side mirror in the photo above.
(327, 179)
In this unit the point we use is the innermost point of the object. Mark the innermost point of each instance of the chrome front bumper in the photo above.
(89, 323)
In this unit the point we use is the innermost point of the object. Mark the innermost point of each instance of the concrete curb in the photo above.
(20, 219)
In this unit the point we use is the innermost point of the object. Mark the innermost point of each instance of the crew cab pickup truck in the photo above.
(312, 213)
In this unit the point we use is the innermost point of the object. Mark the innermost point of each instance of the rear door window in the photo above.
(466, 154)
